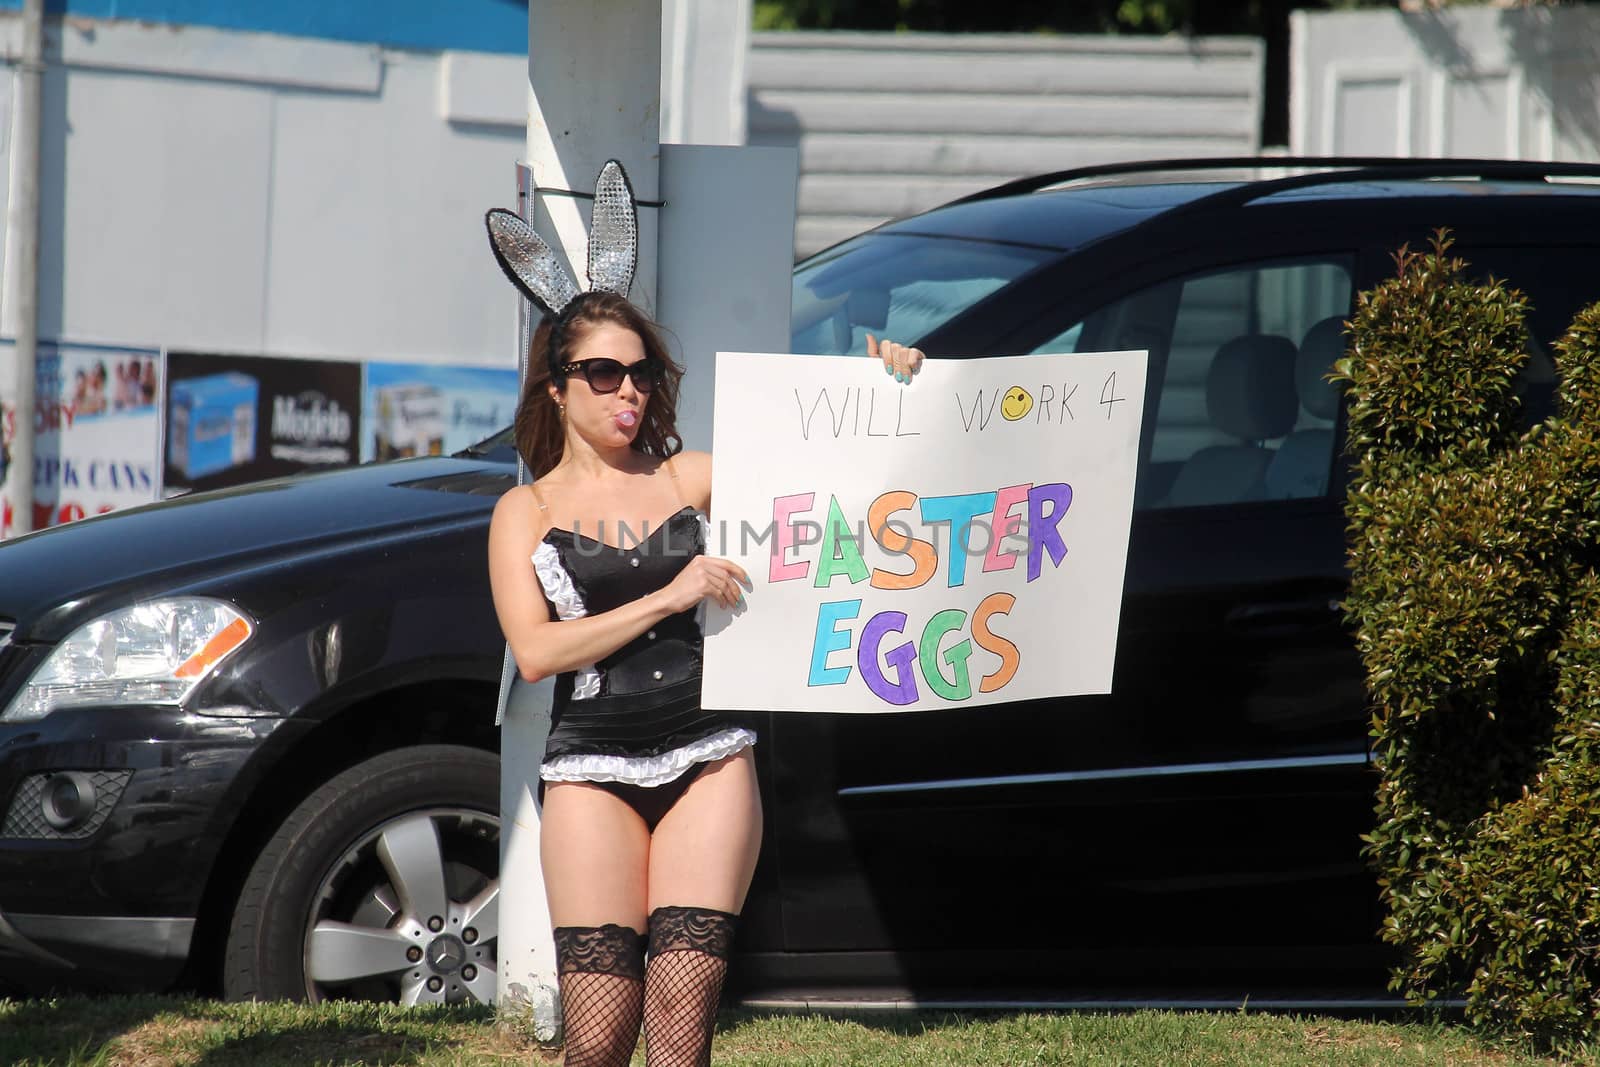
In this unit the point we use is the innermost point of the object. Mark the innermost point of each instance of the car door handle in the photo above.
(1282, 614)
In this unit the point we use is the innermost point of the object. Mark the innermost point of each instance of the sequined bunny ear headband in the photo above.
(533, 267)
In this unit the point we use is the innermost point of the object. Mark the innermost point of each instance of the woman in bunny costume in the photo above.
(652, 817)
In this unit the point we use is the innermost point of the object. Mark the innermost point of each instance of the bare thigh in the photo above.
(703, 853)
(595, 853)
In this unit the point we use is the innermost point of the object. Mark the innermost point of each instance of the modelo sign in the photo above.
(313, 429)
(236, 419)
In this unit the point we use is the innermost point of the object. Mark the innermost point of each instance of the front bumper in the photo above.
(111, 902)
(41, 952)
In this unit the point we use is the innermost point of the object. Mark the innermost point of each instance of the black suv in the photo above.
(241, 730)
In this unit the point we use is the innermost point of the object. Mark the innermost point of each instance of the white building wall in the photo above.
(1492, 82)
(891, 124)
(216, 190)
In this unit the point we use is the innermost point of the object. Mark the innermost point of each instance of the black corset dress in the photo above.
(635, 715)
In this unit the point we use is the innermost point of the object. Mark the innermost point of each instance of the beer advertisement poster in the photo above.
(237, 419)
(96, 432)
(417, 409)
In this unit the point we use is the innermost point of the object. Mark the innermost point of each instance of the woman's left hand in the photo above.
(898, 360)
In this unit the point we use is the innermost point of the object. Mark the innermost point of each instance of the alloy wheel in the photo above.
(410, 913)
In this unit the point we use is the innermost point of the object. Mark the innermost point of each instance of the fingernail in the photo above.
(888, 369)
(742, 601)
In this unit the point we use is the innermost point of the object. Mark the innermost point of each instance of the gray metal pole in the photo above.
(21, 294)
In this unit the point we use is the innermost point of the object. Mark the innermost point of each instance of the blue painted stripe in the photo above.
(1170, 770)
(466, 25)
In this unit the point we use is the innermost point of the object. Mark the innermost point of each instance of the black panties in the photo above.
(652, 802)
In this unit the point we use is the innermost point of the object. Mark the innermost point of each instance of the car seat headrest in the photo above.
(1323, 345)
(1250, 388)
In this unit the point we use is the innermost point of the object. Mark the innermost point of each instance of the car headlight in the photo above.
(151, 653)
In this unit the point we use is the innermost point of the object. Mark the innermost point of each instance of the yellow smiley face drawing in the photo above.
(1016, 403)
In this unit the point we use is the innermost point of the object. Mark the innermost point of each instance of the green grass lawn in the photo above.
(167, 1032)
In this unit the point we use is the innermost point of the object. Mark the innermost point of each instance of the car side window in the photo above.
(1238, 407)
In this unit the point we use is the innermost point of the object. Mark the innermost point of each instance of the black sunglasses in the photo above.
(605, 374)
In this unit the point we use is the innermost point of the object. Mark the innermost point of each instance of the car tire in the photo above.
(383, 884)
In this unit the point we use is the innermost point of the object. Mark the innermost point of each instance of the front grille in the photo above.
(26, 818)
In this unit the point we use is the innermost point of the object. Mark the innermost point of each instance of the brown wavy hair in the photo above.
(538, 430)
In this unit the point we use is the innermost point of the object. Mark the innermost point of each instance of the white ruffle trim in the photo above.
(557, 582)
(647, 770)
(558, 586)
(585, 683)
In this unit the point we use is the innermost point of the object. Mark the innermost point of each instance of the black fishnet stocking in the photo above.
(601, 971)
(689, 949)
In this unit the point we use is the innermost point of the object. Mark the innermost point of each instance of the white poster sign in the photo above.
(960, 540)
(97, 430)
(414, 409)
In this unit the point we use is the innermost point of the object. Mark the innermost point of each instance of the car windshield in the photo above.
(900, 285)
(897, 284)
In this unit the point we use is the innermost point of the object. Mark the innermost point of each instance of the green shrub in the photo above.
(1475, 588)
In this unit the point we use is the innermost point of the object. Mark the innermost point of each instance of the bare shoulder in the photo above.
(695, 470)
(517, 514)
(696, 462)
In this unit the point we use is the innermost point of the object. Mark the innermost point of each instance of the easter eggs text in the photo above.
(892, 655)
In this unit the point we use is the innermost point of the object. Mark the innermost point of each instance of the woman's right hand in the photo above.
(707, 576)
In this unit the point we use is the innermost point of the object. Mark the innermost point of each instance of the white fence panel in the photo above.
(891, 124)
(1494, 82)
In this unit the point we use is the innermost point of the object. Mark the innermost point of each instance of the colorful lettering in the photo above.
(897, 675)
(840, 552)
(928, 654)
(1042, 533)
(924, 559)
(1003, 525)
(831, 639)
(958, 511)
(902, 658)
(989, 641)
(782, 509)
